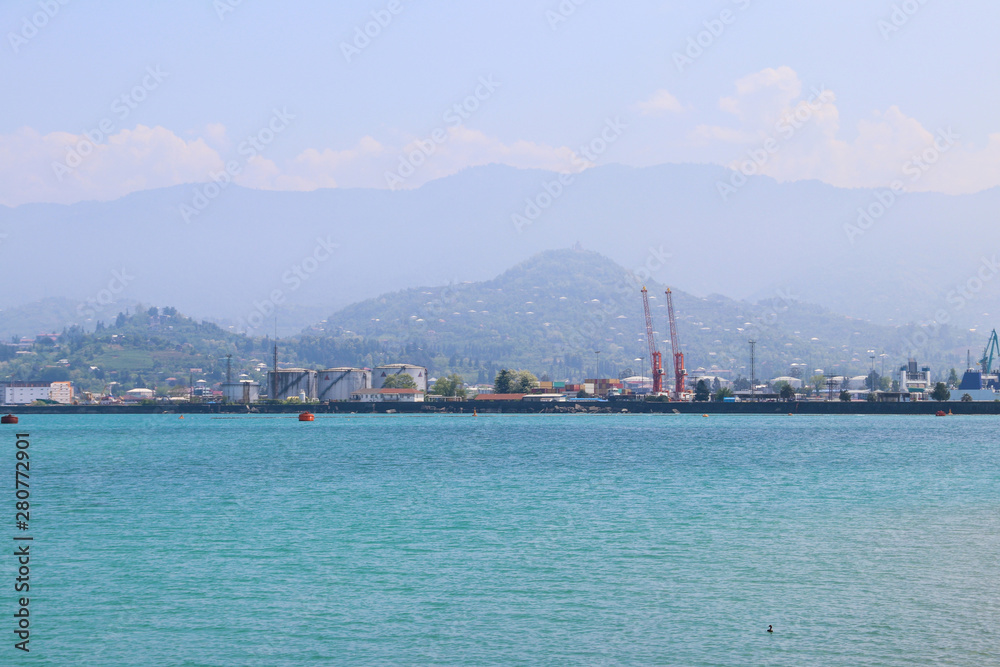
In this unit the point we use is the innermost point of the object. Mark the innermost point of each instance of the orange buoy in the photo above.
(8, 419)
(307, 417)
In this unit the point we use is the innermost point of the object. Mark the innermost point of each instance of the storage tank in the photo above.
(244, 391)
(336, 384)
(418, 373)
(292, 383)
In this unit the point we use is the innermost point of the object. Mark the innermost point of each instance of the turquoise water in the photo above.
(498, 539)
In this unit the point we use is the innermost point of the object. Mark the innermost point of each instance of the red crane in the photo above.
(675, 345)
(654, 354)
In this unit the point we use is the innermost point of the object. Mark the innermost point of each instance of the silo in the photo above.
(418, 373)
(336, 384)
(244, 391)
(292, 383)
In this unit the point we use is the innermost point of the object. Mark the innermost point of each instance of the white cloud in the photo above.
(661, 102)
(805, 127)
(63, 168)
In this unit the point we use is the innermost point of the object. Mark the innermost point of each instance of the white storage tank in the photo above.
(244, 391)
(337, 384)
(292, 383)
(418, 373)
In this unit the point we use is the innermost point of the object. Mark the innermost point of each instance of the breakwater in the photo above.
(523, 407)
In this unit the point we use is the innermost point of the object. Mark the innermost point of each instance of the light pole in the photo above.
(753, 371)
(871, 353)
(597, 367)
(642, 369)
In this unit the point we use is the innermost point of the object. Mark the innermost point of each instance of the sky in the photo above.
(106, 99)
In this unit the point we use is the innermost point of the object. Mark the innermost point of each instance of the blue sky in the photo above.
(560, 71)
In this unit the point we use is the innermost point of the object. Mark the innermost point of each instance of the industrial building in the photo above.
(337, 384)
(24, 393)
(915, 382)
(418, 373)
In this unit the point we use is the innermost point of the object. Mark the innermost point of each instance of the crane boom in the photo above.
(675, 346)
(654, 355)
(992, 346)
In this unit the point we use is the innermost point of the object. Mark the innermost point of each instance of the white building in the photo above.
(916, 382)
(23, 393)
(61, 392)
(388, 395)
(139, 394)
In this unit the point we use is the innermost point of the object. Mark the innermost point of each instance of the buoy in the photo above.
(181, 417)
(307, 417)
(474, 413)
(8, 419)
(704, 415)
(941, 413)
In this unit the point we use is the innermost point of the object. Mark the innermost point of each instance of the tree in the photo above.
(741, 384)
(966, 398)
(940, 392)
(787, 393)
(716, 385)
(399, 381)
(451, 385)
(504, 382)
(953, 378)
(524, 382)
(723, 393)
(701, 391)
(845, 395)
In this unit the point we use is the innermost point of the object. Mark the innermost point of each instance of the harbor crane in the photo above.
(675, 346)
(654, 354)
(992, 347)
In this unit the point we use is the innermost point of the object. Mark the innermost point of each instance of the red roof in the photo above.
(499, 397)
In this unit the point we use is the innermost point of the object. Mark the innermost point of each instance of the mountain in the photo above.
(560, 313)
(249, 255)
(553, 312)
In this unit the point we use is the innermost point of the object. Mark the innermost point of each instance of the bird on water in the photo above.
(770, 629)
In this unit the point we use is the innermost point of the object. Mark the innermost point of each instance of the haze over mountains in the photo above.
(310, 253)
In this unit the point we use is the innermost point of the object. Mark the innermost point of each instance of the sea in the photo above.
(507, 540)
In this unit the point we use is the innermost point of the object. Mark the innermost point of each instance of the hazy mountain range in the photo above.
(309, 253)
